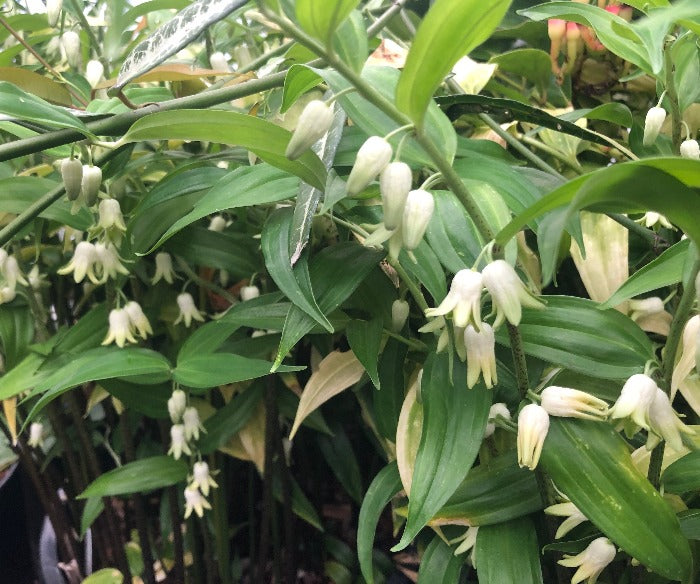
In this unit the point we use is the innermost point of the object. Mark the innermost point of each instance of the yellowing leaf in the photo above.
(408, 434)
(9, 406)
(336, 372)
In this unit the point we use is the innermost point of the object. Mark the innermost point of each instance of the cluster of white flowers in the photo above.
(10, 276)
(184, 433)
(125, 323)
(508, 295)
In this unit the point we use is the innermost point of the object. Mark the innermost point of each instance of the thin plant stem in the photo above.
(575, 166)
(192, 275)
(672, 95)
(220, 515)
(265, 57)
(413, 288)
(673, 341)
(519, 361)
(178, 572)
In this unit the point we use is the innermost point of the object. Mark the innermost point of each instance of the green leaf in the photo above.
(295, 281)
(665, 270)
(453, 428)
(139, 476)
(16, 332)
(19, 192)
(573, 333)
(365, 339)
(590, 463)
(426, 269)
(321, 17)
(301, 505)
(618, 36)
(384, 486)
(439, 563)
(267, 140)
(92, 510)
(227, 421)
(22, 377)
(450, 30)
(101, 363)
(389, 399)
(374, 121)
(683, 475)
(150, 400)
(340, 456)
(297, 82)
(205, 371)
(532, 64)
(350, 41)
(690, 523)
(105, 576)
(21, 105)
(493, 492)
(508, 552)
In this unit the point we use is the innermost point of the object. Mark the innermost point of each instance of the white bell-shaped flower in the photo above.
(634, 401)
(665, 424)
(417, 213)
(120, 329)
(481, 355)
(164, 268)
(498, 409)
(218, 61)
(110, 215)
(249, 292)
(394, 184)
(217, 223)
(36, 435)
(11, 272)
(591, 561)
(690, 149)
(70, 41)
(574, 517)
(177, 404)
(315, 120)
(195, 501)
(201, 478)
(652, 125)
(188, 310)
(463, 299)
(178, 442)
(82, 263)
(689, 345)
(399, 314)
(108, 264)
(533, 425)
(193, 426)
(138, 319)
(572, 403)
(53, 11)
(508, 293)
(94, 71)
(372, 157)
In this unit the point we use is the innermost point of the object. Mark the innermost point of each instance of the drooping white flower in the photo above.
(463, 299)
(468, 542)
(195, 501)
(188, 311)
(217, 223)
(372, 157)
(164, 268)
(394, 184)
(53, 11)
(651, 218)
(7, 294)
(634, 401)
(36, 435)
(399, 314)
(107, 263)
(82, 263)
(90, 186)
(533, 425)
(120, 329)
(249, 292)
(650, 314)
(178, 442)
(138, 319)
(496, 410)
(652, 125)
(689, 345)
(72, 175)
(481, 355)
(574, 517)
(202, 479)
(110, 215)
(690, 149)
(11, 272)
(314, 121)
(417, 213)
(218, 61)
(572, 403)
(177, 404)
(70, 41)
(664, 423)
(591, 561)
(190, 420)
(93, 72)
(508, 293)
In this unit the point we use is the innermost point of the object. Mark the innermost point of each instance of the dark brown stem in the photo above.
(139, 506)
(178, 572)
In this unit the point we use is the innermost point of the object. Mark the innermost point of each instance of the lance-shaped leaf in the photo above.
(453, 428)
(336, 372)
(321, 17)
(590, 463)
(439, 563)
(172, 36)
(450, 30)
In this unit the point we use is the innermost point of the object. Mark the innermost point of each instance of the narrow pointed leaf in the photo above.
(439, 563)
(321, 17)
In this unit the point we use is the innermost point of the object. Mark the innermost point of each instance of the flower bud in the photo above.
(372, 157)
(91, 183)
(36, 435)
(72, 175)
(652, 125)
(218, 61)
(315, 120)
(533, 425)
(53, 11)
(249, 292)
(93, 72)
(481, 355)
(177, 404)
(394, 183)
(497, 409)
(556, 29)
(573, 43)
(416, 217)
(690, 149)
(70, 40)
(217, 223)
(572, 403)
(399, 314)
